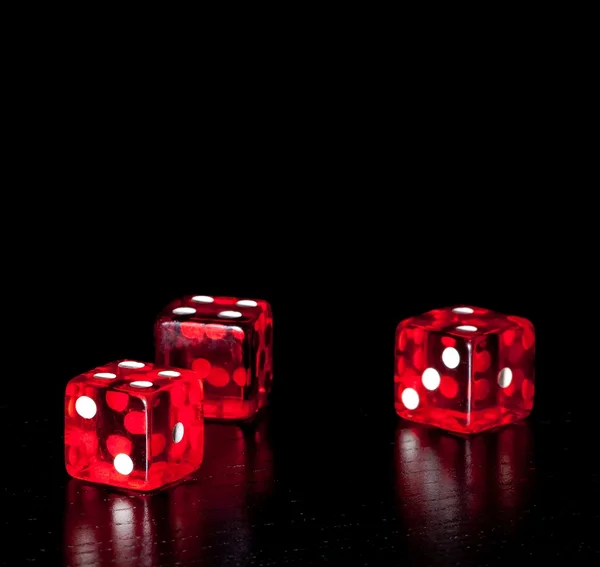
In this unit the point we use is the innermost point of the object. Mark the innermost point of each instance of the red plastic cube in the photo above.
(464, 369)
(229, 343)
(134, 425)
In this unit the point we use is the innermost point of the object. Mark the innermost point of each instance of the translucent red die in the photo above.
(464, 369)
(134, 425)
(228, 341)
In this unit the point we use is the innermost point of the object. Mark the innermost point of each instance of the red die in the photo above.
(134, 425)
(464, 369)
(228, 342)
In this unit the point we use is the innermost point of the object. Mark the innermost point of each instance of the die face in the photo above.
(223, 310)
(464, 369)
(176, 441)
(232, 353)
(137, 428)
(451, 319)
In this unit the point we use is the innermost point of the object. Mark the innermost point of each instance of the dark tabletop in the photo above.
(373, 490)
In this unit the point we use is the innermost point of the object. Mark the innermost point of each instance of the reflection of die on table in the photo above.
(228, 342)
(117, 527)
(464, 369)
(134, 425)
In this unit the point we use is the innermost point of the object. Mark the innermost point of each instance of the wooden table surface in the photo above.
(371, 490)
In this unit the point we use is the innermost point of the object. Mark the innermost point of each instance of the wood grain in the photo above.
(367, 491)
